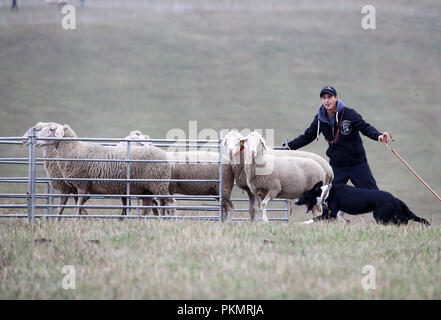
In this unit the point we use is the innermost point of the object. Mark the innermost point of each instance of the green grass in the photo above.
(153, 66)
(210, 260)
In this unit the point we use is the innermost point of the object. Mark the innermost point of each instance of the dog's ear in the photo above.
(300, 202)
(318, 185)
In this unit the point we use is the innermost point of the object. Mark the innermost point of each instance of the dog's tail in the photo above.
(412, 215)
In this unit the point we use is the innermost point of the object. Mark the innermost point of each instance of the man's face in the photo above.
(329, 101)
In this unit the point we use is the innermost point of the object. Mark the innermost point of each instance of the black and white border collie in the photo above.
(341, 197)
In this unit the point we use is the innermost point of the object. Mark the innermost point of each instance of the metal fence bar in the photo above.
(272, 200)
(12, 139)
(125, 180)
(268, 209)
(43, 206)
(220, 178)
(52, 200)
(214, 218)
(125, 160)
(31, 201)
(45, 180)
(48, 199)
(101, 196)
(128, 199)
(22, 180)
(25, 160)
(171, 141)
(20, 162)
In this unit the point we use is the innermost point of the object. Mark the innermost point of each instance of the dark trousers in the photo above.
(360, 175)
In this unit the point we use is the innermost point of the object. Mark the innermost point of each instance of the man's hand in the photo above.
(285, 144)
(385, 137)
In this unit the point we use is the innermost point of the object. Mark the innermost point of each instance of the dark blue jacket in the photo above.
(342, 134)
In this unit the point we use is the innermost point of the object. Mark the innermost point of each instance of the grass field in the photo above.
(256, 64)
(209, 260)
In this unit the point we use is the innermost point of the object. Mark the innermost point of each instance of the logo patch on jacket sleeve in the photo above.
(346, 127)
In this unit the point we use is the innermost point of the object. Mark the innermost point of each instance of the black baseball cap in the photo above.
(329, 90)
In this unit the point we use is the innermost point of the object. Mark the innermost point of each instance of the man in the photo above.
(340, 126)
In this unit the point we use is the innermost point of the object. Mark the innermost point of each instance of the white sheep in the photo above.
(109, 170)
(269, 176)
(135, 135)
(233, 146)
(53, 171)
(65, 187)
(199, 171)
(205, 171)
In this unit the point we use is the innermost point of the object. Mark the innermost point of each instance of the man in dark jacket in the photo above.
(341, 127)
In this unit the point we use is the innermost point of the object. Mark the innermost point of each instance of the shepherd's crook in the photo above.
(413, 171)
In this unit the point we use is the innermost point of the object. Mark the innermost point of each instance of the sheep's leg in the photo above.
(84, 212)
(145, 202)
(63, 201)
(252, 207)
(264, 204)
(291, 207)
(227, 210)
(256, 206)
(124, 210)
(167, 202)
(172, 202)
(155, 210)
(148, 202)
(81, 200)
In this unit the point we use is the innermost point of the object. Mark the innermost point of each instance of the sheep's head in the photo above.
(51, 130)
(255, 144)
(233, 143)
(38, 127)
(137, 135)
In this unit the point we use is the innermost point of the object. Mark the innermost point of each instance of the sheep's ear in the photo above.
(135, 132)
(263, 143)
(59, 132)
